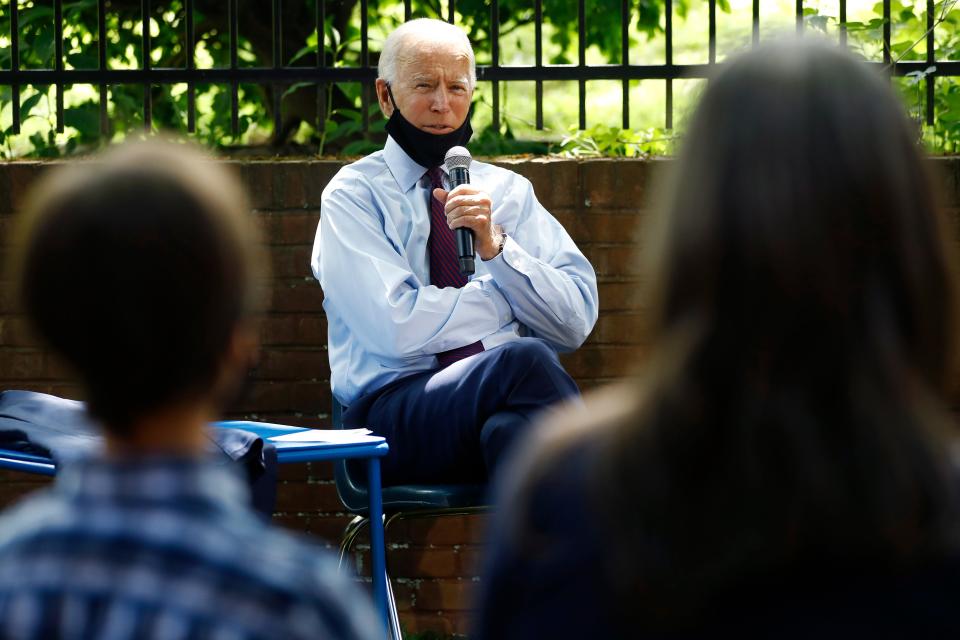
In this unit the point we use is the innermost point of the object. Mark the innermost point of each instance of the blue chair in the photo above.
(399, 502)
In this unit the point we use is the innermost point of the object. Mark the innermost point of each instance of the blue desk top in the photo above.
(363, 447)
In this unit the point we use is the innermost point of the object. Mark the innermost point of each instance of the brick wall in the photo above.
(433, 561)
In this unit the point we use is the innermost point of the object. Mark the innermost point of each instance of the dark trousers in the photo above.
(455, 424)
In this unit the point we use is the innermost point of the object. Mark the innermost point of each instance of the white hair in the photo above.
(418, 30)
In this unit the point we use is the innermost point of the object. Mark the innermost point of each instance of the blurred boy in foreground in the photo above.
(139, 269)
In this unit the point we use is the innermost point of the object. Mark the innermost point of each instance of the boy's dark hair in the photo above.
(137, 268)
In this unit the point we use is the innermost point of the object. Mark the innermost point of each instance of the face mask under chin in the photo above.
(424, 148)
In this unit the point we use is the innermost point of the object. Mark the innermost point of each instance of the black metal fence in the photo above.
(279, 76)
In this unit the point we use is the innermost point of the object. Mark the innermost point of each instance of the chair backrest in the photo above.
(351, 486)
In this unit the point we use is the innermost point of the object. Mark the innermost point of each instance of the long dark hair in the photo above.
(804, 310)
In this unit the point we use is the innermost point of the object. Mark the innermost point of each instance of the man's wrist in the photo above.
(498, 242)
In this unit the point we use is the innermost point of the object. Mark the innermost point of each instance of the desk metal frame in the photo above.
(371, 449)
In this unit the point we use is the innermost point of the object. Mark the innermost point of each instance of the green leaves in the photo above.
(601, 140)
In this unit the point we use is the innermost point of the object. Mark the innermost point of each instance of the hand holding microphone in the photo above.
(469, 211)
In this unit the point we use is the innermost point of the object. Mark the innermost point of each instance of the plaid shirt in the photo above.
(169, 549)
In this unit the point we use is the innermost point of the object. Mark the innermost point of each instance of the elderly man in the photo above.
(449, 369)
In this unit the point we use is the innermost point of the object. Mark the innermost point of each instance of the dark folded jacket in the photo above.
(62, 430)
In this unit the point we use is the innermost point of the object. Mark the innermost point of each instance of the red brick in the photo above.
(439, 622)
(290, 228)
(296, 419)
(293, 364)
(289, 191)
(614, 260)
(6, 202)
(294, 329)
(301, 295)
(424, 562)
(615, 183)
(556, 183)
(303, 497)
(327, 529)
(443, 530)
(257, 179)
(285, 397)
(470, 559)
(612, 227)
(15, 331)
(290, 262)
(319, 173)
(612, 361)
(446, 595)
(293, 472)
(620, 296)
(404, 592)
(21, 175)
(619, 328)
(19, 364)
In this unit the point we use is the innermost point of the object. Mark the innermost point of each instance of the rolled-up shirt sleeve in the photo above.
(550, 285)
(367, 279)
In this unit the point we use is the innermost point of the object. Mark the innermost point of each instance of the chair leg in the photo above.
(350, 533)
(394, 630)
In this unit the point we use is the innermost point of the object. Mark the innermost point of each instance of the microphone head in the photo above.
(457, 158)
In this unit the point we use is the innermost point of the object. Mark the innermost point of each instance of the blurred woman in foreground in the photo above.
(781, 467)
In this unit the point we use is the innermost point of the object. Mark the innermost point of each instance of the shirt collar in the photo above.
(405, 171)
(158, 480)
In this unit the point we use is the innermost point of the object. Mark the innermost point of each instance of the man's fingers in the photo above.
(476, 222)
(456, 200)
(441, 195)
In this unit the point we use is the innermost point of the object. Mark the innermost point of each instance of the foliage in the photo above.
(601, 140)
(331, 119)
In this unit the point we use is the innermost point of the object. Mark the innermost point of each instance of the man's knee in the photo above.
(530, 352)
(531, 366)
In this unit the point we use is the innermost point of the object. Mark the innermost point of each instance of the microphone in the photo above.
(458, 162)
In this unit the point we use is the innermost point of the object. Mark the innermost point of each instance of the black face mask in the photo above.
(426, 149)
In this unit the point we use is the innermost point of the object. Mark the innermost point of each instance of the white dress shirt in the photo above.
(385, 319)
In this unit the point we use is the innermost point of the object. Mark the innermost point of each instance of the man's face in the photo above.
(432, 89)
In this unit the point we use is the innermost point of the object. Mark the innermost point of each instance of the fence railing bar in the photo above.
(799, 16)
(712, 32)
(146, 63)
(58, 61)
(625, 58)
(582, 60)
(451, 18)
(407, 10)
(256, 75)
(931, 60)
(276, 16)
(320, 19)
(232, 10)
(102, 64)
(886, 32)
(755, 24)
(668, 49)
(365, 62)
(495, 60)
(191, 63)
(15, 62)
(843, 22)
(538, 59)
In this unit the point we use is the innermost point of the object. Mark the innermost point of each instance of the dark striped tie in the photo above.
(444, 266)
